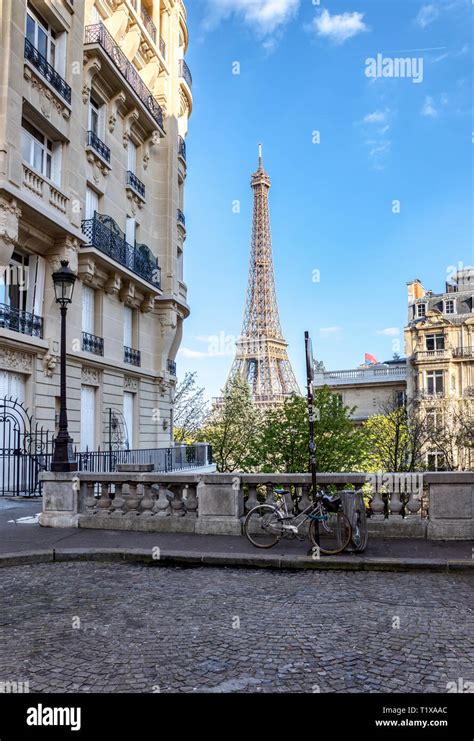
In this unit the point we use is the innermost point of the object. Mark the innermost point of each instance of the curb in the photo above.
(194, 558)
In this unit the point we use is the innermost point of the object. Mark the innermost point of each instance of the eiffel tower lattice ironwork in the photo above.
(261, 357)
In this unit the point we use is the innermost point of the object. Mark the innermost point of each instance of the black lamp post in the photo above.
(63, 456)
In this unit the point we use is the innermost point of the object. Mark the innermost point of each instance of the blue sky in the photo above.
(303, 70)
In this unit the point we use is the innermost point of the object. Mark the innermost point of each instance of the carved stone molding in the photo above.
(131, 117)
(115, 103)
(90, 376)
(127, 294)
(152, 141)
(167, 321)
(135, 201)
(16, 360)
(130, 384)
(147, 304)
(87, 271)
(99, 166)
(112, 284)
(48, 99)
(91, 68)
(9, 226)
(50, 361)
(65, 248)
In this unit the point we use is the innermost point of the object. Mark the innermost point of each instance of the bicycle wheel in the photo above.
(331, 534)
(263, 526)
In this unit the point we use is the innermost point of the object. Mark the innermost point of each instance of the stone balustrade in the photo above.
(431, 505)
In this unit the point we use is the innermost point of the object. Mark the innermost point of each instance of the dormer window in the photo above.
(449, 306)
(420, 310)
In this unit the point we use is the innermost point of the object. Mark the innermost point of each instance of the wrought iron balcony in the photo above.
(47, 71)
(21, 321)
(182, 148)
(162, 47)
(185, 73)
(103, 233)
(135, 183)
(149, 25)
(98, 34)
(134, 357)
(172, 367)
(181, 218)
(98, 146)
(93, 344)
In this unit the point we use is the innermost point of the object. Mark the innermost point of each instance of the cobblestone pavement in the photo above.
(124, 628)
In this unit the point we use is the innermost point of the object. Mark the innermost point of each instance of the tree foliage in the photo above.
(190, 410)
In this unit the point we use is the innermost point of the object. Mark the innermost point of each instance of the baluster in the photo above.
(394, 502)
(147, 501)
(104, 504)
(192, 501)
(270, 498)
(162, 506)
(304, 501)
(377, 505)
(133, 499)
(177, 503)
(91, 501)
(118, 502)
(414, 503)
(251, 500)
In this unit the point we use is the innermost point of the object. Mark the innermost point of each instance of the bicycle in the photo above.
(330, 531)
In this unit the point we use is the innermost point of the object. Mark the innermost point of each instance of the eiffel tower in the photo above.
(261, 357)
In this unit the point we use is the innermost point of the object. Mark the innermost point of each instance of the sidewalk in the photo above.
(22, 540)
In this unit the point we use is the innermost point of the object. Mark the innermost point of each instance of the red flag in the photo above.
(370, 358)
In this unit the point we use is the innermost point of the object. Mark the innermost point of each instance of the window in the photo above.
(436, 461)
(88, 398)
(39, 152)
(449, 306)
(88, 309)
(41, 35)
(420, 310)
(128, 406)
(132, 156)
(180, 272)
(434, 342)
(130, 230)
(127, 326)
(92, 203)
(434, 382)
(434, 420)
(95, 15)
(400, 399)
(14, 282)
(95, 117)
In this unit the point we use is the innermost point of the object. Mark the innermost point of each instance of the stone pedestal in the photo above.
(451, 509)
(61, 500)
(221, 506)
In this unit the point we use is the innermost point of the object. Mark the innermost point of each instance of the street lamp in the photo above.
(63, 456)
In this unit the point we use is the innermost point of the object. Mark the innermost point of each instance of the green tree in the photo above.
(232, 429)
(190, 410)
(283, 440)
(394, 440)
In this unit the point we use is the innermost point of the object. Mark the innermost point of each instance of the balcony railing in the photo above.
(98, 146)
(432, 354)
(135, 183)
(98, 34)
(93, 344)
(134, 357)
(181, 217)
(47, 71)
(172, 367)
(463, 352)
(149, 25)
(185, 73)
(182, 148)
(103, 233)
(162, 47)
(21, 321)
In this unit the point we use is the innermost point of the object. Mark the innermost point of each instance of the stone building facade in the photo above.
(96, 97)
(439, 344)
(371, 389)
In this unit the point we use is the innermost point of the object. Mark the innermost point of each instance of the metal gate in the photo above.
(24, 450)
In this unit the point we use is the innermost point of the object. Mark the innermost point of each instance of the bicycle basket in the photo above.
(331, 503)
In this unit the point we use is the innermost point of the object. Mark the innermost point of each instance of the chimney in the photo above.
(415, 290)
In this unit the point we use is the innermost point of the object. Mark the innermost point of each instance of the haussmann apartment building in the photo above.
(95, 102)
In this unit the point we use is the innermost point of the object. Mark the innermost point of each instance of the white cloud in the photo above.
(426, 15)
(265, 16)
(339, 28)
(329, 331)
(389, 331)
(429, 108)
(186, 352)
(376, 117)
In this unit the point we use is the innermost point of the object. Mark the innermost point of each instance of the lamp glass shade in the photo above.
(64, 280)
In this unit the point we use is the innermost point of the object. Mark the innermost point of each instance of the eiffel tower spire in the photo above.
(261, 357)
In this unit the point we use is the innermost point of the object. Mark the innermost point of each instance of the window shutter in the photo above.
(92, 203)
(88, 296)
(128, 403)
(88, 394)
(127, 326)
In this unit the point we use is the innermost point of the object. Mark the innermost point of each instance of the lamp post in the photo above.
(63, 456)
